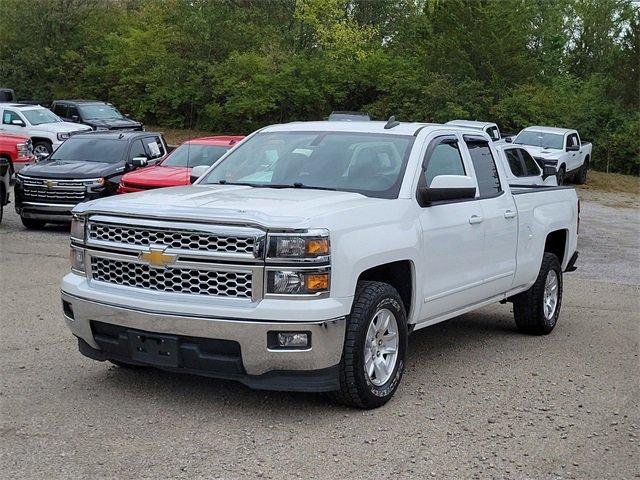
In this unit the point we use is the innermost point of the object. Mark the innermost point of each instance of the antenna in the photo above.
(391, 123)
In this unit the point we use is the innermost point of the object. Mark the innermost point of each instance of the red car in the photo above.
(175, 169)
(17, 149)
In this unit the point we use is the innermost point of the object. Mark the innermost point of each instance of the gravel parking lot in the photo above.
(478, 399)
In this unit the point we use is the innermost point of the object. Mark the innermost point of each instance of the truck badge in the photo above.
(156, 257)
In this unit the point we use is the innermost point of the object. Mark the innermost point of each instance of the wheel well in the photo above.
(41, 139)
(556, 242)
(398, 275)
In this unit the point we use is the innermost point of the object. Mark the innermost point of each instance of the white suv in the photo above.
(46, 129)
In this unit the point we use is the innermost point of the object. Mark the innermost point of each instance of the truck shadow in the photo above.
(457, 344)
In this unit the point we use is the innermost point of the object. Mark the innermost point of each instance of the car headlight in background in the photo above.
(63, 136)
(94, 182)
(23, 150)
(298, 282)
(77, 228)
(101, 129)
(309, 245)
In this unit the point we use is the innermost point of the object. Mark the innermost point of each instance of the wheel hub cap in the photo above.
(381, 347)
(550, 298)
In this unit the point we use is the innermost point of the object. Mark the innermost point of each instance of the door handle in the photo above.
(510, 214)
(475, 219)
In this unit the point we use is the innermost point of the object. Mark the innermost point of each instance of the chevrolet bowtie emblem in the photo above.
(50, 183)
(157, 258)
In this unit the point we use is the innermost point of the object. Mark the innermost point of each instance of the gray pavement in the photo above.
(478, 400)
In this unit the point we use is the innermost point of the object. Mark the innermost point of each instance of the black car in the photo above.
(86, 166)
(98, 115)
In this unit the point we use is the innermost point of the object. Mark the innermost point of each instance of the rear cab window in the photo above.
(485, 167)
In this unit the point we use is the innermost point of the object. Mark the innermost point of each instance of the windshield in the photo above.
(91, 150)
(99, 112)
(368, 163)
(540, 139)
(194, 155)
(41, 115)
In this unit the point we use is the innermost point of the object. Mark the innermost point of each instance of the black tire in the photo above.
(43, 145)
(128, 366)
(581, 177)
(1, 205)
(528, 307)
(561, 175)
(32, 223)
(356, 388)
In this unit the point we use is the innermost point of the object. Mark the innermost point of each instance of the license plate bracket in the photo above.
(161, 350)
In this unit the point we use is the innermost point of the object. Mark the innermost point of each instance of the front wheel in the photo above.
(560, 176)
(373, 358)
(536, 311)
(581, 176)
(42, 148)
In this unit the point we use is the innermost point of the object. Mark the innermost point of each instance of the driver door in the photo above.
(8, 116)
(452, 237)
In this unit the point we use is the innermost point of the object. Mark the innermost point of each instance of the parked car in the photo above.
(94, 113)
(7, 95)
(85, 167)
(5, 177)
(304, 258)
(17, 150)
(175, 169)
(489, 128)
(521, 169)
(561, 147)
(46, 130)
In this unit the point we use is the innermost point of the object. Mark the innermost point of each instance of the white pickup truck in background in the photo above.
(561, 147)
(522, 170)
(304, 258)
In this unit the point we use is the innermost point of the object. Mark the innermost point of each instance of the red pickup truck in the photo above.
(175, 169)
(17, 150)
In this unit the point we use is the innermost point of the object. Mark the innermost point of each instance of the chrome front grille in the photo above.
(174, 280)
(59, 191)
(183, 240)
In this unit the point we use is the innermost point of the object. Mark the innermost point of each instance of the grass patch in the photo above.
(611, 182)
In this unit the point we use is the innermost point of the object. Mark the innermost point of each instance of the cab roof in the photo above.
(402, 128)
(123, 135)
(471, 123)
(559, 131)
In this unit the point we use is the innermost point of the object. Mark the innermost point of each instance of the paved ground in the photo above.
(478, 400)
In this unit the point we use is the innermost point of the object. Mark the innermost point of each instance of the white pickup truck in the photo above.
(305, 256)
(560, 147)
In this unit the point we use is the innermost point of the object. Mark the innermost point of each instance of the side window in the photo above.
(445, 159)
(137, 149)
(572, 140)
(72, 111)
(485, 167)
(60, 110)
(8, 116)
(154, 147)
(530, 166)
(514, 162)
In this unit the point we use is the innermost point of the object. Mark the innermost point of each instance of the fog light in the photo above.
(289, 340)
(77, 260)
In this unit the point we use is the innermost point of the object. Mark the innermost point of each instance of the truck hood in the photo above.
(542, 152)
(267, 207)
(59, 127)
(113, 123)
(66, 169)
(158, 176)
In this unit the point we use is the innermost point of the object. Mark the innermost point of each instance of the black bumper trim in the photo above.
(322, 380)
(571, 266)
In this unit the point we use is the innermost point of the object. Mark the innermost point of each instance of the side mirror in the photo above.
(19, 123)
(137, 162)
(447, 187)
(197, 172)
(573, 148)
(548, 170)
(509, 139)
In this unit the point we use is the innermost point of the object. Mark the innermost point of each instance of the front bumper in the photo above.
(254, 364)
(53, 212)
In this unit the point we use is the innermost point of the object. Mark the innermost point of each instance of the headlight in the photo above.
(101, 129)
(77, 260)
(63, 136)
(298, 282)
(310, 245)
(77, 229)
(94, 182)
(23, 149)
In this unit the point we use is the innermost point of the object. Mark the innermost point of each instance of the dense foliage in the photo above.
(236, 65)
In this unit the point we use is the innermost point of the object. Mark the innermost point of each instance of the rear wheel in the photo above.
(373, 357)
(536, 311)
(581, 176)
(32, 223)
